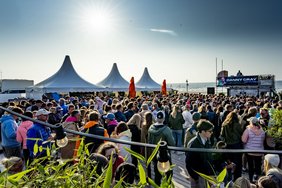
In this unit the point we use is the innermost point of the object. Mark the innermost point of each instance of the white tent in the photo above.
(114, 81)
(65, 80)
(146, 83)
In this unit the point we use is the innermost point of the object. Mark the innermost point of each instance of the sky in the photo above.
(175, 39)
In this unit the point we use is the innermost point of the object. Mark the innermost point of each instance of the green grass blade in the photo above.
(48, 151)
(86, 149)
(108, 179)
(137, 155)
(80, 148)
(153, 154)
(206, 177)
(151, 182)
(221, 176)
(35, 148)
(119, 183)
(18, 176)
(142, 173)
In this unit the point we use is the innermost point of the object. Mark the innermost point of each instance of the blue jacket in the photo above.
(9, 131)
(41, 132)
(119, 116)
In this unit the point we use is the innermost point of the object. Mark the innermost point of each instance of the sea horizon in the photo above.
(201, 87)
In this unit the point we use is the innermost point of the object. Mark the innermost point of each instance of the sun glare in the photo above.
(97, 19)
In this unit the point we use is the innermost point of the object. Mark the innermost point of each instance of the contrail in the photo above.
(165, 31)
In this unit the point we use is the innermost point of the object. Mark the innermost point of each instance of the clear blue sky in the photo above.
(175, 39)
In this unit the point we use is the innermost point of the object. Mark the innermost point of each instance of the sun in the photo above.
(97, 19)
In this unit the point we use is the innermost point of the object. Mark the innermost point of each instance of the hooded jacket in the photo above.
(93, 127)
(159, 132)
(8, 131)
(22, 132)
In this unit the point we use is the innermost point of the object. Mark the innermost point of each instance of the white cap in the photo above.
(253, 120)
(42, 112)
(272, 159)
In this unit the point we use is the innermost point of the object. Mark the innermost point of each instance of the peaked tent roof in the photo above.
(146, 82)
(65, 79)
(114, 81)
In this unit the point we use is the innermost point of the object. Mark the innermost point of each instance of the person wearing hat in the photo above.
(41, 132)
(9, 126)
(253, 139)
(271, 163)
(200, 161)
(160, 132)
(192, 131)
(111, 122)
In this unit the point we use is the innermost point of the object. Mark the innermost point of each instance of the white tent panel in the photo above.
(146, 83)
(64, 80)
(114, 81)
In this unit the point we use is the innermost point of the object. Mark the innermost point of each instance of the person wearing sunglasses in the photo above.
(200, 161)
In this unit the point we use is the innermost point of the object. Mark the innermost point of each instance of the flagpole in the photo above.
(222, 71)
(187, 85)
(216, 75)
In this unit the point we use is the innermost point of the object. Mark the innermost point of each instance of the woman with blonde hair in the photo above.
(148, 121)
(242, 182)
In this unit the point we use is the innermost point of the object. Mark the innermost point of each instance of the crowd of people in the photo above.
(182, 120)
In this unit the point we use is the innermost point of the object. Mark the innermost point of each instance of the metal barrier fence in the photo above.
(182, 149)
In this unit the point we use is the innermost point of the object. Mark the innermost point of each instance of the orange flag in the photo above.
(164, 88)
(132, 91)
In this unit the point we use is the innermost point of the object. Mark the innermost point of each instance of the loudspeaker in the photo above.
(210, 91)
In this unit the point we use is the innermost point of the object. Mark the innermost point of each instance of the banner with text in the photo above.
(237, 81)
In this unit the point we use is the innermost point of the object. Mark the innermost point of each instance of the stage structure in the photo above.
(251, 85)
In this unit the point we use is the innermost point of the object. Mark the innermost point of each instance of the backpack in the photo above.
(188, 136)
